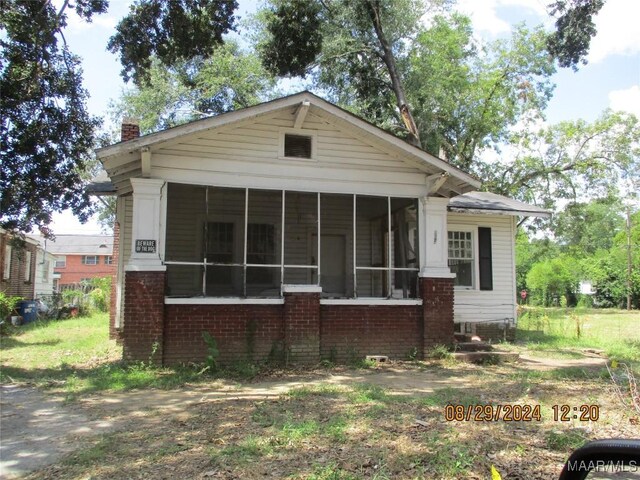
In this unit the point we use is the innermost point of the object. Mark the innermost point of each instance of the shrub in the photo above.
(7, 305)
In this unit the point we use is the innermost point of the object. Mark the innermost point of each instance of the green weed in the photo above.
(566, 440)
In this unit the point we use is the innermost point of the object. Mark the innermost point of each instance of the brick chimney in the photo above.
(130, 129)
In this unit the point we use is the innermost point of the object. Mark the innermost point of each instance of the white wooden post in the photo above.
(434, 242)
(149, 212)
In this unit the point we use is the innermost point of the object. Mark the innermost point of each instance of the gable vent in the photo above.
(298, 146)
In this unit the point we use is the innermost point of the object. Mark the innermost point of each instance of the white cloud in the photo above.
(108, 21)
(618, 33)
(627, 100)
(485, 16)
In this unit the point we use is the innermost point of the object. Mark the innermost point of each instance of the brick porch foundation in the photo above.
(298, 330)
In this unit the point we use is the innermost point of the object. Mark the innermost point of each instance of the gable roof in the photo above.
(125, 156)
(80, 245)
(487, 202)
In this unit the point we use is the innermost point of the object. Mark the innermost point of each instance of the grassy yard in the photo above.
(559, 330)
(382, 423)
(75, 355)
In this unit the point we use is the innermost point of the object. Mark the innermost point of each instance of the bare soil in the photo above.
(385, 422)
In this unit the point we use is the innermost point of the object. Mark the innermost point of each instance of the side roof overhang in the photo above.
(491, 203)
(123, 160)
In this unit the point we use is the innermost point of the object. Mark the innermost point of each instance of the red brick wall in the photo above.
(349, 332)
(143, 329)
(437, 299)
(242, 332)
(302, 327)
(113, 332)
(75, 270)
(129, 130)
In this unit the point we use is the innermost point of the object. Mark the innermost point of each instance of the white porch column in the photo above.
(149, 212)
(434, 243)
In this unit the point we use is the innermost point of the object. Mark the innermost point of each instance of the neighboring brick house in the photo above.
(18, 266)
(80, 258)
(295, 228)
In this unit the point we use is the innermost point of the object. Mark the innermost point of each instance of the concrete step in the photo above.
(486, 357)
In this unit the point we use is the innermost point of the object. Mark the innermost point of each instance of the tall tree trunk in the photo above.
(373, 7)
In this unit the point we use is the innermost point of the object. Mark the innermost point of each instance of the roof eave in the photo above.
(495, 211)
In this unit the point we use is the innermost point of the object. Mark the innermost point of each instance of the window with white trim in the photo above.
(89, 259)
(298, 146)
(27, 267)
(108, 260)
(6, 272)
(61, 262)
(461, 257)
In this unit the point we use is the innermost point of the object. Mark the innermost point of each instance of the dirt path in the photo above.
(38, 429)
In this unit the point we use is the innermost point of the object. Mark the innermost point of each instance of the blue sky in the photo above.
(611, 79)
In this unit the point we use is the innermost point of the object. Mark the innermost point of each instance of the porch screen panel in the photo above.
(186, 209)
(300, 233)
(223, 241)
(336, 245)
(404, 247)
(371, 246)
(263, 245)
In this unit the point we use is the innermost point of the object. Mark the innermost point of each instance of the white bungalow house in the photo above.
(295, 228)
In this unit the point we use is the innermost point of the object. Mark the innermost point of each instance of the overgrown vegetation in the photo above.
(558, 330)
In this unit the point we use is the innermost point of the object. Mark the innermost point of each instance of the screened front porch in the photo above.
(247, 243)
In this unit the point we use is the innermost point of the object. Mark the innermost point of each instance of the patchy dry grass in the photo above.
(356, 430)
(384, 423)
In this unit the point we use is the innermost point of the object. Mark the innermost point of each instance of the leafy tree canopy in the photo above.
(45, 130)
(227, 80)
(466, 98)
(353, 48)
(567, 160)
(569, 44)
(171, 31)
(586, 227)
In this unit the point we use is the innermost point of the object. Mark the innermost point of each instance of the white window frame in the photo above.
(108, 259)
(474, 252)
(46, 266)
(27, 267)
(61, 262)
(8, 252)
(300, 132)
(85, 257)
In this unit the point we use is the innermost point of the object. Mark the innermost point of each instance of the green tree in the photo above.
(528, 253)
(46, 133)
(466, 98)
(172, 31)
(551, 279)
(566, 160)
(355, 49)
(586, 227)
(569, 44)
(227, 80)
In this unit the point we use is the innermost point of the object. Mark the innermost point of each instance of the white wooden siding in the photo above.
(247, 154)
(500, 303)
